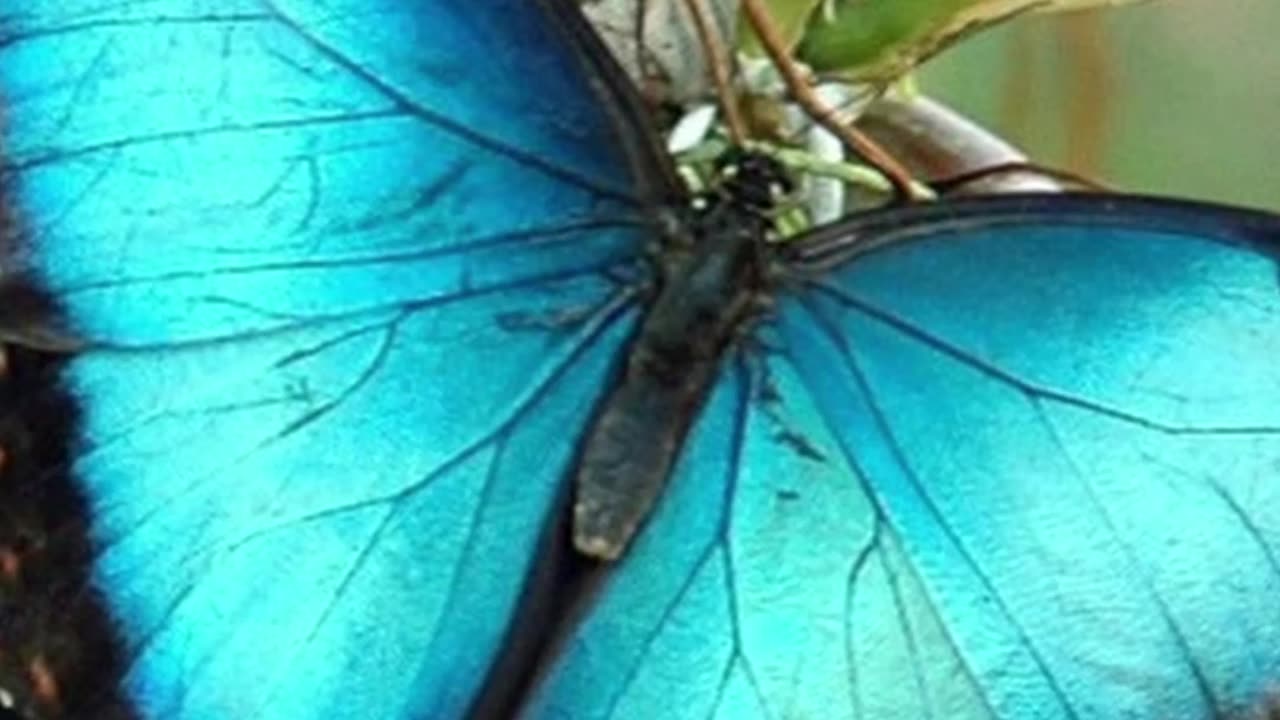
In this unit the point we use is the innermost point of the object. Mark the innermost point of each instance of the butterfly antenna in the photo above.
(718, 65)
(798, 86)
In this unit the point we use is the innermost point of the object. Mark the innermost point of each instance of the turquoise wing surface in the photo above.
(340, 284)
(1013, 459)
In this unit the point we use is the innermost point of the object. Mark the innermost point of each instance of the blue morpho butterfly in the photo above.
(326, 315)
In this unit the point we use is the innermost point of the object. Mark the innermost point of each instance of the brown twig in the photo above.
(940, 144)
(721, 74)
(800, 90)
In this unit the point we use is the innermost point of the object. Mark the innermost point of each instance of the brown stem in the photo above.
(721, 73)
(801, 91)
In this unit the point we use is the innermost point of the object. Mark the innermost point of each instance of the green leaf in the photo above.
(791, 17)
(880, 40)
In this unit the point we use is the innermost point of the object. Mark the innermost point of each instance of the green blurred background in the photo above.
(1176, 97)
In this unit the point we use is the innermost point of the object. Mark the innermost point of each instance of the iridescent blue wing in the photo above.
(1005, 459)
(342, 277)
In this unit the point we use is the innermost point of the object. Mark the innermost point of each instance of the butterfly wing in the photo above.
(1020, 461)
(344, 288)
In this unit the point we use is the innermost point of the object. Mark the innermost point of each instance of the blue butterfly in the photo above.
(338, 354)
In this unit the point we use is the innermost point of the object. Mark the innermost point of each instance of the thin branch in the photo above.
(718, 64)
(938, 143)
(801, 91)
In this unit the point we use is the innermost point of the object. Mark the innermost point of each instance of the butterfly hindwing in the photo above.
(1020, 461)
(344, 290)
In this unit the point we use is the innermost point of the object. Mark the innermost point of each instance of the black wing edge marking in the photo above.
(59, 650)
(60, 653)
(863, 233)
(650, 164)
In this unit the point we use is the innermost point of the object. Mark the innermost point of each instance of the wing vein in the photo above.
(1166, 614)
(444, 123)
(881, 422)
(968, 359)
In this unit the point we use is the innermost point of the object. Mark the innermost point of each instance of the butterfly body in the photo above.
(711, 286)
(301, 443)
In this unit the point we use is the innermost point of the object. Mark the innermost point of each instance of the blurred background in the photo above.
(1174, 97)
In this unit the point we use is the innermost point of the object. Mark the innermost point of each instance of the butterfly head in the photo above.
(752, 181)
